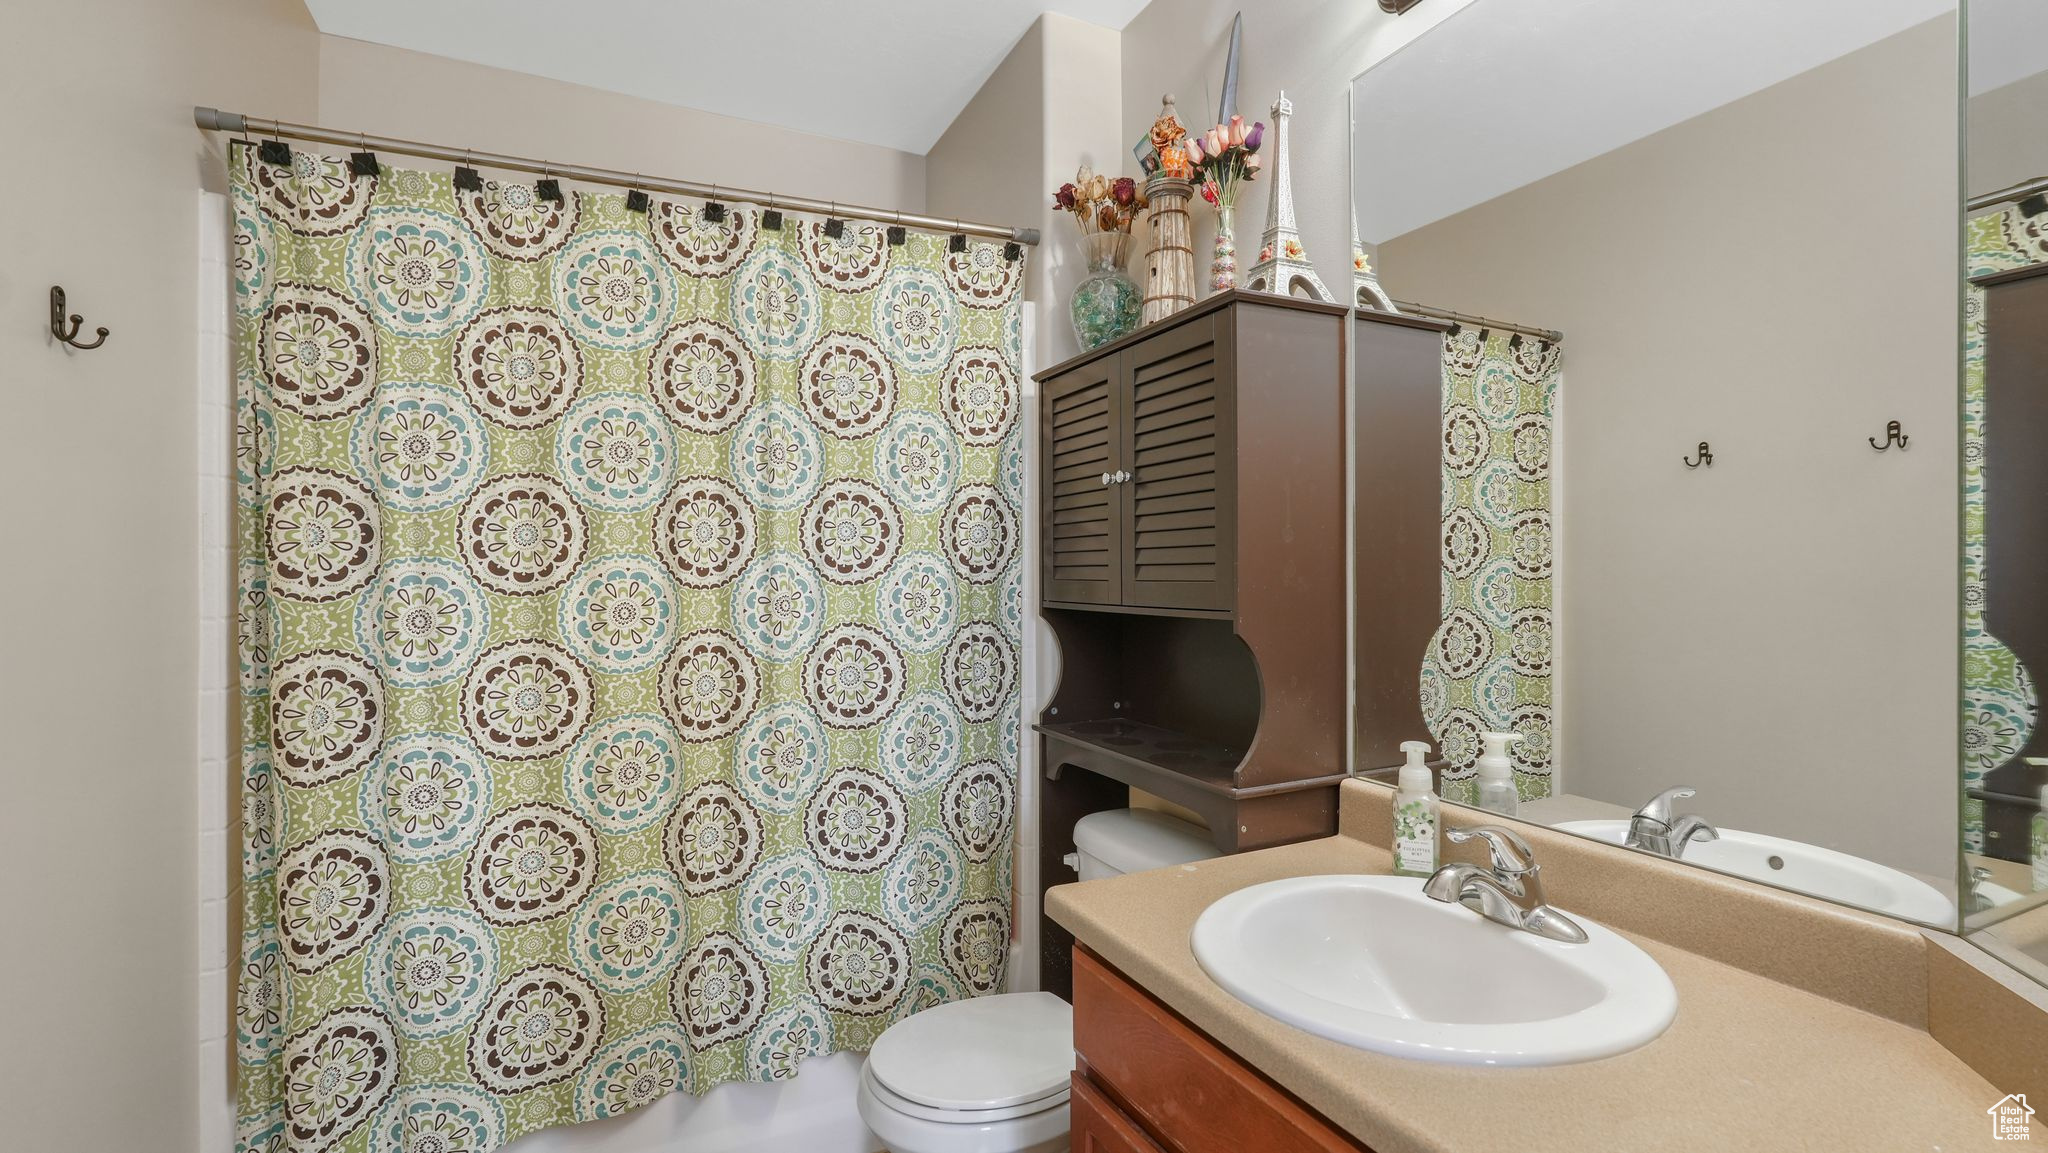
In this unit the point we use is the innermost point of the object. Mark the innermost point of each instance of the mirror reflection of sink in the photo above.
(1373, 963)
(1806, 868)
(1994, 894)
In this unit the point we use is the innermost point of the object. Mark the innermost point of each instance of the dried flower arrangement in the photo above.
(1100, 203)
(1106, 305)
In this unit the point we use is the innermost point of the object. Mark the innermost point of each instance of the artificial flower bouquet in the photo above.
(1224, 158)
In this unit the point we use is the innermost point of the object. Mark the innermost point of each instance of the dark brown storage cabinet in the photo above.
(1143, 453)
(1192, 537)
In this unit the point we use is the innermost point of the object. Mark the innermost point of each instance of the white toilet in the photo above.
(990, 1074)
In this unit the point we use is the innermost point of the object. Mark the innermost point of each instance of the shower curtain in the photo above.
(1999, 701)
(1488, 668)
(629, 621)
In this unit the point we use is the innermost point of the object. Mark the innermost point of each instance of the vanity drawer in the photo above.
(1100, 1127)
(1186, 1091)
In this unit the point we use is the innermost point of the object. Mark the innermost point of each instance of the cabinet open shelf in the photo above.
(1158, 760)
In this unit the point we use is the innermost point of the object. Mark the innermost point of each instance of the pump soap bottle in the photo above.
(1417, 816)
(1497, 774)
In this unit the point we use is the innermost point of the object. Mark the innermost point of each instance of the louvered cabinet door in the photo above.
(1081, 537)
(1180, 453)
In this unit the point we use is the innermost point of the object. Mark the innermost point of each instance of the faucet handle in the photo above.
(1658, 808)
(1511, 854)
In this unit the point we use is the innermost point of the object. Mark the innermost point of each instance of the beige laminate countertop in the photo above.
(1748, 1064)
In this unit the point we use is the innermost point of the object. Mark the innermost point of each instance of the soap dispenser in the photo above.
(1417, 816)
(1497, 774)
(2039, 841)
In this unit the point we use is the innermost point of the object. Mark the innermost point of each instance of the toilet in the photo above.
(990, 1074)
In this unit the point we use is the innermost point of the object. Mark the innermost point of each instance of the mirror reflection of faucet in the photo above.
(1654, 830)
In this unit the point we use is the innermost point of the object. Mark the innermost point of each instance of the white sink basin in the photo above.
(1371, 962)
(1810, 869)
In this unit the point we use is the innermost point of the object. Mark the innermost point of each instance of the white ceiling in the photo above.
(1506, 92)
(888, 72)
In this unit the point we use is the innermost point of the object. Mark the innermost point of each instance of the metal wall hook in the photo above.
(68, 333)
(1892, 436)
(1706, 457)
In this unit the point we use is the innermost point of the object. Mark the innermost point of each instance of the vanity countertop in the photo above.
(1749, 1063)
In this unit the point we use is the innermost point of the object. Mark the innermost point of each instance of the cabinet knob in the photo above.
(1108, 478)
(1122, 477)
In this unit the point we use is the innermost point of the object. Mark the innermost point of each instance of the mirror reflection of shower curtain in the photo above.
(1999, 701)
(1489, 667)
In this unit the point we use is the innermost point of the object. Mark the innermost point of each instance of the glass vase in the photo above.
(1223, 262)
(1106, 305)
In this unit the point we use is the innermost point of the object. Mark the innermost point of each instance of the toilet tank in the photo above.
(1133, 840)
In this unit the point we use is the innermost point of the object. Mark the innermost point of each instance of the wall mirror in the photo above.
(1700, 419)
(2004, 832)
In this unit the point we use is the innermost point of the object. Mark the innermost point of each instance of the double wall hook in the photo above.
(68, 332)
(1892, 436)
(1706, 457)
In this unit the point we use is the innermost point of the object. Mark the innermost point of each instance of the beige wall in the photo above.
(1778, 277)
(99, 648)
(414, 96)
(2008, 140)
(988, 161)
(1049, 107)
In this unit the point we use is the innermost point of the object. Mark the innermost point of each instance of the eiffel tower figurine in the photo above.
(1364, 283)
(1283, 264)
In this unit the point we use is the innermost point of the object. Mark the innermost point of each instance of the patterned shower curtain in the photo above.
(1488, 669)
(629, 620)
(1999, 701)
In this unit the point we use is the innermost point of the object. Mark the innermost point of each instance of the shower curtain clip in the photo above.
(363, 162)
(547, 187)
(636, 200)
(466, 178)
(772, 218)
(897, 236)
(958, 241)
(834, 227)
(714, 212)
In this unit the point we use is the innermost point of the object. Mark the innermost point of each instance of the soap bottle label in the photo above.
(1414, 839)
(2040, 852)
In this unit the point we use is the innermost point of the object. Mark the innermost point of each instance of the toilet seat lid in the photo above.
(983, 1053)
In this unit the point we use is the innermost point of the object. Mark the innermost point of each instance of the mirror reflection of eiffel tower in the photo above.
(1283, 263)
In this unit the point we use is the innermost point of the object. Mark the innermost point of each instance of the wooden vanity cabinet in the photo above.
(1148, 1082)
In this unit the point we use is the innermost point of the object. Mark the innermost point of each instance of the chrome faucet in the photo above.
(1974, 900)
(1510, 893)
(1654, 830)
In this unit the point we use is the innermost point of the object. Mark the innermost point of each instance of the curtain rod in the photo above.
(2020, 191)
(214, 120)
(1550, 334)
